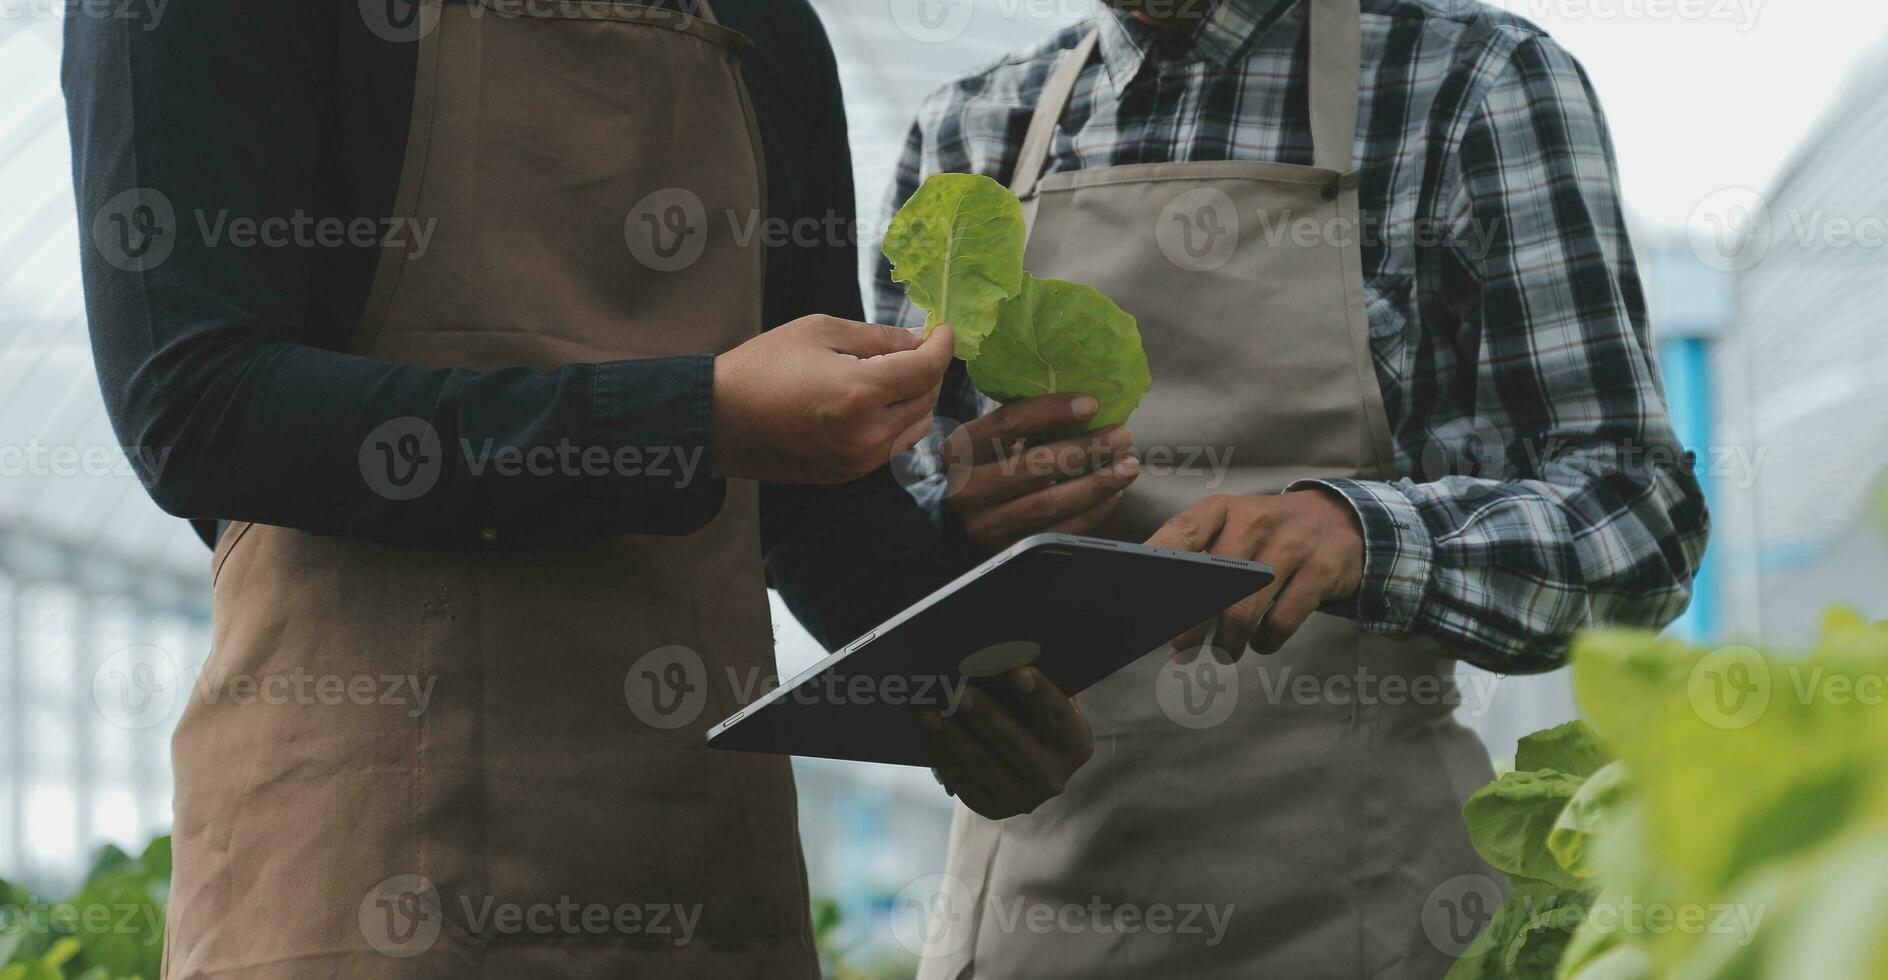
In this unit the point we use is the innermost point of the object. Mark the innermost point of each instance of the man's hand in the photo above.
(1311, 538)
(824, 400)
(1012, 490)
(1000, 764)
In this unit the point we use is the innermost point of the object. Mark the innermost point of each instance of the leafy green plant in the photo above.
(1725, 816)
(1514, 823)
(957, 246)
(1063, 336)
(112, 928)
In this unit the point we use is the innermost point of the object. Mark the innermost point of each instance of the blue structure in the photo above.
(1692, 307)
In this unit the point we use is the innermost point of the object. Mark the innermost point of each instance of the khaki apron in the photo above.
(550, 812)
(1294, 816)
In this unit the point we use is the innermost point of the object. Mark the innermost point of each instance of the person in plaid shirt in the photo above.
(1542, 489)
(1424, 354)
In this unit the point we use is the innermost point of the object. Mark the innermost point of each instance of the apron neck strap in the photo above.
(705, 11)
(1336, 68)
(1049, 106)
(1336, 76)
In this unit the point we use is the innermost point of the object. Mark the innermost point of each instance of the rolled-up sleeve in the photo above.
(1565, 499)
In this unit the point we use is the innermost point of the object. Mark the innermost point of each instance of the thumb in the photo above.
(939, 343)
(864, 340)
(908, 374)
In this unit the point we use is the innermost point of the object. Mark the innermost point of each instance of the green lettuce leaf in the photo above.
(1596, 938)
(1588, 816)
(1062, 336)
(1536, 948)
(1526, 937)
(957, 246)
(1616, 963)
(1623, 678)
(1837, 927)
(1510, 818)
(1570, 748)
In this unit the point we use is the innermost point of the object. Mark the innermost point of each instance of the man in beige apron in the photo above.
(1268, 818)
(545, 811)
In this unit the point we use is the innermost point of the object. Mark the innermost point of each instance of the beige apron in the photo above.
(1294, 816)
(549, 813)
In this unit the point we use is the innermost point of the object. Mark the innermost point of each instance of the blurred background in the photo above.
(1750, 136)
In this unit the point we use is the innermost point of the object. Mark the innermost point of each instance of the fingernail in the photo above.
(1084, 407)
(1120, 438)
(1127, 466)
(1025, 681)
(1183, 655)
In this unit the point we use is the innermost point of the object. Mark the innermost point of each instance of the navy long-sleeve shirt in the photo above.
(229, 361)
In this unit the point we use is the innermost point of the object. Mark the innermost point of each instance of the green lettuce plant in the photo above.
(957, 246)
(1512, 823)
(1725, 815)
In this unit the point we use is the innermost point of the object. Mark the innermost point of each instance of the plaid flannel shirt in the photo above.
(1541, 487)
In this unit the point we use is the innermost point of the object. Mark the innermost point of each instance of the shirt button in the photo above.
(1329, 192)
(489, 534)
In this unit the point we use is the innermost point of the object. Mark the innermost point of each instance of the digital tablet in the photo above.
(1076, 608)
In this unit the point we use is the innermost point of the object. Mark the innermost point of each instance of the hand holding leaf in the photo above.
(957, 245)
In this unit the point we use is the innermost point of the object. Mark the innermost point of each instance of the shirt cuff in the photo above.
(927, 478)
(653, 409)
(1398, 554)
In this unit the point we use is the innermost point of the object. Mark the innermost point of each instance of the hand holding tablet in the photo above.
(1075, 609)
(1002, 764)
